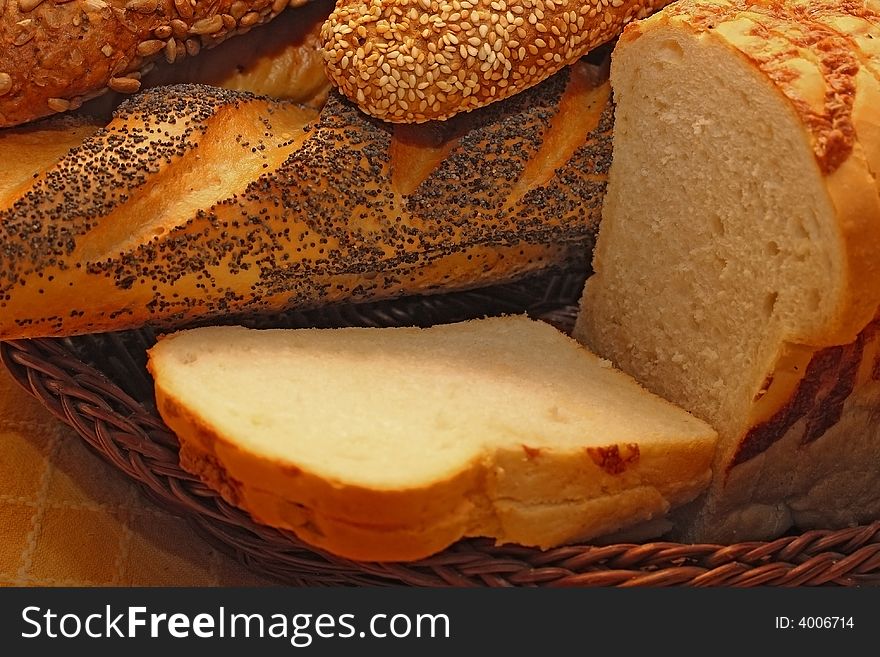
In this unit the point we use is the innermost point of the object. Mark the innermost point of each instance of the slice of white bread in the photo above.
(738, 262)
(391, 444)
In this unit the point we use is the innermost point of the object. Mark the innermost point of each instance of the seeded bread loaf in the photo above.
(410, 61)
(197, 202)
(55, 55)
(281, 60)
(737, 270)
(390, 444)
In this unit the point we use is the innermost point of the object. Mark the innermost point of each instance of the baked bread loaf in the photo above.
(410, 61)
(55, 55)
(196, 202)
(737, 270)
(281, 60)
(27, 151)
(390, 444)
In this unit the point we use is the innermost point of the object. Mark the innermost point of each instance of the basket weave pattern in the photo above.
(98, 385)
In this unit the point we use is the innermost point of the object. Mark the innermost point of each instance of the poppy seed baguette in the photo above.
(196, 202)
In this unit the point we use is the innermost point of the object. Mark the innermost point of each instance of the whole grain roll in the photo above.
(411, 61)
(55, 55)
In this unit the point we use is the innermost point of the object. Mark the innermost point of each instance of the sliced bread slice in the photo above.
(391, 444)
(737, 270)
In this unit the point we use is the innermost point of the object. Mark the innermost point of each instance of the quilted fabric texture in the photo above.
(69, 519)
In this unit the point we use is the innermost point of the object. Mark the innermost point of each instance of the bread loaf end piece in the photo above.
(390, 444)
(736, 269)
(211, 203)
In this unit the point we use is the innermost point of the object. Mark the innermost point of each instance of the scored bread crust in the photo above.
(245, 204)
(54, 56)
(411, 61)
(28, 150)
(806, 452)
(515, 493)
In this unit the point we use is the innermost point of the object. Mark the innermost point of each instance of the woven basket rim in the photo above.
(121, 424)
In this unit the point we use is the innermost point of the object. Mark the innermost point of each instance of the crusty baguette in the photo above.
(410, 61)
(390, 444)
(198, 202)
(55, 55)
(27, 151)
(747, 287)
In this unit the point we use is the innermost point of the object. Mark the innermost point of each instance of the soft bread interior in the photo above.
(719, 241)
(368, 407)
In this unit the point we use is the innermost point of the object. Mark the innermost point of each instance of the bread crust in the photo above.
(54, 56)
(411, 61)
(28, 150)
(281, 60)
(310, 210)
(813, 464)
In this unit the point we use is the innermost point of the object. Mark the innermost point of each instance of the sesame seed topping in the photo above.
(516, 45)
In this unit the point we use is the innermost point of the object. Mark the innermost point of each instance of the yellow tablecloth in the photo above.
(69, 519)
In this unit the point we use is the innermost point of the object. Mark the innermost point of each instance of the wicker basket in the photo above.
(98, 385)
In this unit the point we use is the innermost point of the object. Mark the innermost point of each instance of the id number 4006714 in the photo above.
(815, 623)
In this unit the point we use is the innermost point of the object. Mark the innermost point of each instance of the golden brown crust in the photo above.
(36, 147)
(53, 56)
(817, 402)
(813, 464)
(410, 61)
(281, 60)
(316, 217)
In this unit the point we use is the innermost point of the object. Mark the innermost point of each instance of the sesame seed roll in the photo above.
(410, 61)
